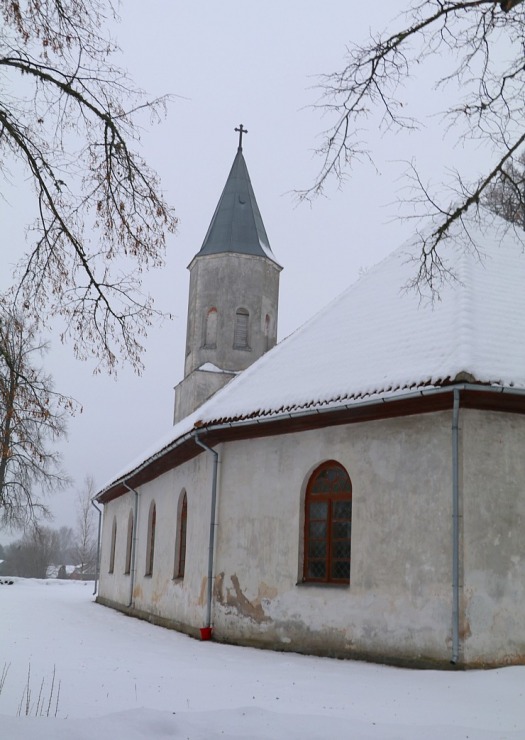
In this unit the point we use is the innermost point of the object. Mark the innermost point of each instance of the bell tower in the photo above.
(233, 296)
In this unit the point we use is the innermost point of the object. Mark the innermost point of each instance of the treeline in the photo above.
(44, 551)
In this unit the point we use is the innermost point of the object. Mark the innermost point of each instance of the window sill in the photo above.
(243, 349)
(322, 584)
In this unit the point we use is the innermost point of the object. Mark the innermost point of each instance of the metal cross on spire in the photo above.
(241, 131)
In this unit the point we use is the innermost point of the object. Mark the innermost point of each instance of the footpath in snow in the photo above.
(122, 678)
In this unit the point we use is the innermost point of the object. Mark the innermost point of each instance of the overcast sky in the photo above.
(253, 63)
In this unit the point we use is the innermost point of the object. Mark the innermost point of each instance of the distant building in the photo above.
(357, 491)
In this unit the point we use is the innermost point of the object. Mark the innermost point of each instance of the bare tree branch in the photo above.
(32, 415)
(70, 117)
(491, 108)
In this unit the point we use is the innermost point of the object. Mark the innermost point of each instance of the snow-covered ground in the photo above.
(122, 678)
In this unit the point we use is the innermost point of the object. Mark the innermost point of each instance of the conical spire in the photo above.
(237, 225)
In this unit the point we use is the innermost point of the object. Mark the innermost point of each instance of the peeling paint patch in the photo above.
(201, 601)
(252, 609)
(235, 599)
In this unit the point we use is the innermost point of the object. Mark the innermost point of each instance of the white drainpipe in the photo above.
(455, 528)
(97, 570)
(212, 527)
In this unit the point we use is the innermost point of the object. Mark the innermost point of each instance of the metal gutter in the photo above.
(423, 392)
(455, 528)
(97, 570)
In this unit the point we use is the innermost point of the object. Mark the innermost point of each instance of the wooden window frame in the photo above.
(330, 541)
(182, 532)
(150, 550)
(129, 544)
(113, 547)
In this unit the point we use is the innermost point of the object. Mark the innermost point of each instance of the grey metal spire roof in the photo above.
(237, 225)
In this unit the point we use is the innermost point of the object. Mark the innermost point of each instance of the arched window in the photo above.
(150, 549)
(182, 526)
(240, 335)
(267, 332)
(129, 544)
(210, 328)
(113, 545)
(328, 525)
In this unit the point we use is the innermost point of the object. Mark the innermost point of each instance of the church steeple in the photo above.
(237, 225)
(234, 293)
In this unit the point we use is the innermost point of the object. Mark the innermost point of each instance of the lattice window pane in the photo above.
(341, 570)
(317, 549)
(340, 549)
(317, 569)
(318, 530)
(319, 510)
(342, 509)
(341, 530)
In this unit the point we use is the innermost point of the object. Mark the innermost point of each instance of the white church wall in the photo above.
(494, 542)
(179, 601)
(398, 604)
(162, 593)
(115, 585)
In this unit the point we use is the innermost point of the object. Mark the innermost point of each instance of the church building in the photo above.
(356, 490)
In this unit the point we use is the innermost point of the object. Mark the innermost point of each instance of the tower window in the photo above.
(210, 329)
(267, 332)
(240, 335)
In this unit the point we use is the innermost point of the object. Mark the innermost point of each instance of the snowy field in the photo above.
(122, 678)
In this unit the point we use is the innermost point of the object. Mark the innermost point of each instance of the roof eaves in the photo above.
(285, 414)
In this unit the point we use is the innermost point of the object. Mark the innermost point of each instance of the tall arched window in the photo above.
(182, 527)
(267, 332)
(328, 525)
(210, 328)
(113, 545)
(240, 334)
(129, 544)
(150, 549)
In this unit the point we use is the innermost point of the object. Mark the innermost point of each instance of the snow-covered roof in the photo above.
(379, 338)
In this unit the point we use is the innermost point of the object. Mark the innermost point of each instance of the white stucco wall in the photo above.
(160, 594)
(398, 602)
(398, 605)
(494, 535)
